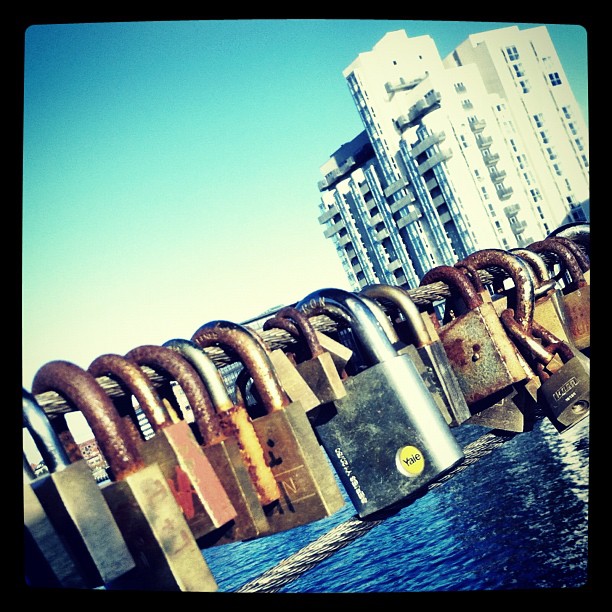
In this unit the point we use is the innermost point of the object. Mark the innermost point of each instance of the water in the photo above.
(516, 519)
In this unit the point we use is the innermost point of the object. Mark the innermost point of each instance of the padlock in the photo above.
(47, 563)
(491, 372)
(166, 554)
(308, 486)
(386, 437)
(521, 412)
(315, 364)
(290, 377)
(190, 475)
(576, 295)
(71, 538)
(420, 340)
(72, 498)
(340, 353)
(548, 310)
(579, 233)
(236, 455)
(564, 372)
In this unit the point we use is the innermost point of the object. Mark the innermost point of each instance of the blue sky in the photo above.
(170, 170)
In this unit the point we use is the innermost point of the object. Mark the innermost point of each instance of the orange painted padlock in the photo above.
(190, 475)
(166, 553)
(233, 449)
(308, 485)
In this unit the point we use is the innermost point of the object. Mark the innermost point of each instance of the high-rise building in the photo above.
(486, 148)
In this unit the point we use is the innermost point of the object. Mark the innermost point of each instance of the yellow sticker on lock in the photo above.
(410, 461)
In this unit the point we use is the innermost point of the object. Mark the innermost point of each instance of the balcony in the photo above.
(402, 84)
(328, 214)
(434, 160)
(497, 176)
(491, 159)
(401, 203)
(478, 126)
(335, 228)
(409, 218)
(504, 193)
(427, 142)
(484, 141)
(512, 210)
(393, 187)
(519, 227)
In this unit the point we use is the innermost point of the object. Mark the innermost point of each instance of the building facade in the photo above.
(486, 148)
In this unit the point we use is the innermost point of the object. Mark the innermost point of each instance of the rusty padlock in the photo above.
(166, 554)
(419, 338)
(490, 370)
(314, 363)
(92, 550)
(576, 295)
(237, 454)
(309, 489)
(578, 232)
(189, 472)
(520, 414)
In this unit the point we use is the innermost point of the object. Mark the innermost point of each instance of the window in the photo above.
(538, 120)
(554, 78)
(525, 87)
(557, 169)
(518, 69)
(512, 53)
(544, 136)
(567, 112)
(579, 144)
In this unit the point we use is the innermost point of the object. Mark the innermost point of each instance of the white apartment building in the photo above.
(484, 149)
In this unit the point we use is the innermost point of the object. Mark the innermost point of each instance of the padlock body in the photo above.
(567, 394)
(309, 491)
(250, 521)
(167, 556)
(292, 381)
(577, 306)
(550, 314)
(386, 438)
(482, 356)
(76, 507)
(192, 479)
(47, 560)
(322, 377)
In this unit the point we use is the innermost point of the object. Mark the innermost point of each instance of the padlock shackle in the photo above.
(250, 349)
(207, 370)
(577, 252)
(81, 389)
(566, 258)
(457, 280)
(577, 232)
(406, 306)
(521, 275)
(376, 346)
(45, 439)
(175, 367)
(301, 323)
(134, 382)
(381, 317)
(541, 273)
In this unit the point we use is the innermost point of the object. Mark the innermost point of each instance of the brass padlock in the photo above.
(418, 335)
(314, 364)
(309, 489)
(152, 523)
(290, 377)
(75, 511)
(189, 472)
(47, 563)
(240, 466)
(576, 294)
(386, 437)
(487, 364)
(548, 311)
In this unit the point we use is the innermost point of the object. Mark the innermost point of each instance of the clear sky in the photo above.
(170, 170)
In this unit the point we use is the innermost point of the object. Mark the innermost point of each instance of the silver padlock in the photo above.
(386, 437)
(418, 336)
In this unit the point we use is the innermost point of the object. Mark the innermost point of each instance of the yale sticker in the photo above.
(410, 460)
